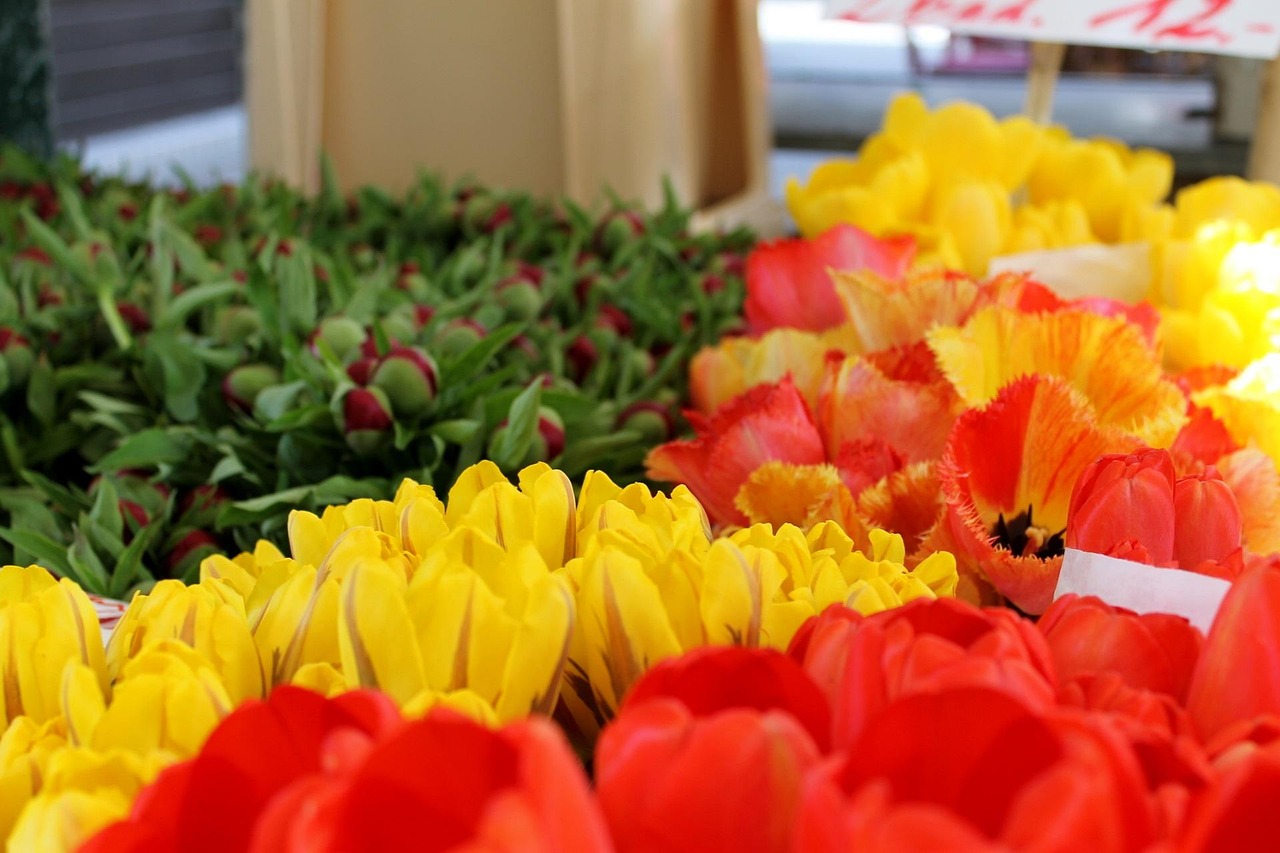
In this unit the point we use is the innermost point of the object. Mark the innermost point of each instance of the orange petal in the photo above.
(779, 493)
(768, 423)
(907, 502)
(858, 402)
(1254, 481)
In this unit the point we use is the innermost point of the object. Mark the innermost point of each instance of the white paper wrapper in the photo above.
(1116, 272)
(1142, 588)
(109, 612)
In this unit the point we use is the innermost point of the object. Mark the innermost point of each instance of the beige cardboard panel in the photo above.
(550, 96)
(460, 87)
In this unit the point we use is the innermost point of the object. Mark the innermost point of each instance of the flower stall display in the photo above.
(456, 618)
(501, 602)
(180, 368)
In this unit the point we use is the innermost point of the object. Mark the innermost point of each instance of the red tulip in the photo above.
(1122, 498)
(1237, 813)
(1238, 675)
(789, 281)
(767, 423)
(213, 801)
(964, 767)
(1207, 523)
(301, 773)
(863, 664)
(719, 678)
(675, 781)
(1153, 651)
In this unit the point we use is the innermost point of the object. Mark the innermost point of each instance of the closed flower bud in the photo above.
(617, 229)
(361, 370)
(242, 385)
(548, 440)
(202, 499)
(235, 323)
(649, 418)
(18, 358)
(366, 419)
(1207, 525)
(423, 314)
(410, 379)
(342, 335)
(189, 549)
(611, 318)
(134, 317)
(581, 355)
(520, 298)
(458, 336)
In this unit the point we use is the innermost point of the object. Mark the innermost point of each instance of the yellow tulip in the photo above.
(167, 700)
(204, 618)
(25, 750)
(46, 625)
(977, 215)
(82, 791)
(52, 823)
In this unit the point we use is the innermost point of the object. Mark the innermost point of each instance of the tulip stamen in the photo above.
(1021, 536)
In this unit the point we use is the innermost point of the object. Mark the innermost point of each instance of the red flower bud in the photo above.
(459, 335)
(1207, 525)
(551, 431)
(343, 336)
(188, 546)
(134, 317)
(47, 296)
(423, 314)
(650, 418)
(520, 297)
(612, 318)
(132, 509)
(582, 356)
(410, 268)
(365, 410)
(127, 211)
(617, 229)
(207, 235)
(526, 347)
(202, 499)
(712, 284)
(410, 379)
(361, 370)
(35, 254)
(1125, 497)
(242, 385)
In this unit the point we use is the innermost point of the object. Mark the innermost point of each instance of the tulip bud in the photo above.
(581, 355)
(361, 370)
(520, 298)
(548, 441)
(613, 319)
(366, 419)
(422, 315)
(207, 236)
(134, 317)
(526, 347)
(235, 323)
(1207, 525)
(410, 379)
(202, 499)
(190, 548)
(649, 418)
(36, 255)
(241, 387)
(18, 358)
(712, 284)
(617, 229)
(343, 336)
(458, 336)
(1125, 497)
(401, 324)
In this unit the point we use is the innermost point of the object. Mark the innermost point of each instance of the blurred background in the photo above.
(158, 86)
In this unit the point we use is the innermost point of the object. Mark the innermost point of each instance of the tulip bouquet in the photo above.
(935, 725)
(180, 368)
(504, 601)
(965, 415)
(971, 190)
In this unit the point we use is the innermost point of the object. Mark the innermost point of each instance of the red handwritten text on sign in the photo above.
(1243, 27)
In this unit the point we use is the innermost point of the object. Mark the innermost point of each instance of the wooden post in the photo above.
(1042, 80)
(1264, 156)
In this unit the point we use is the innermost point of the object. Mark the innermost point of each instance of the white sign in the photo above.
(1238, 27)
(1142, 588)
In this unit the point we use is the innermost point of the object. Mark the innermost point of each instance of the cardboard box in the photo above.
(552, 96)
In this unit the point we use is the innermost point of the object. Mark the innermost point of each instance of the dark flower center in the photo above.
(1021, 536)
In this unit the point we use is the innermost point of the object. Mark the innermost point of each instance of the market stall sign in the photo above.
(1238, 27)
